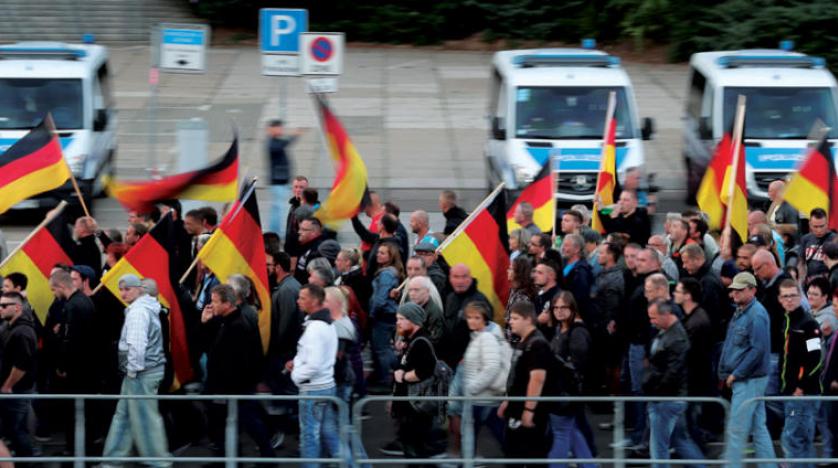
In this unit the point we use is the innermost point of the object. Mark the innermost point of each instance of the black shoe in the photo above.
(393, 448)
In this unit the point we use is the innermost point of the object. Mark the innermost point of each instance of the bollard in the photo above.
(232, 433)
(79, 432)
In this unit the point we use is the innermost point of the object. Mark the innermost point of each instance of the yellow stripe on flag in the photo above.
(463, 250)
(38, 291)
(216, 193)
(709, 199)
(805, 196)
(111, 278)
(33, 183)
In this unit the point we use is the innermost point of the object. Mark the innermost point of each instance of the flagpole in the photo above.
(738, 129)
(49, 217)
(462, 227)
(609, 115)
(51, 126)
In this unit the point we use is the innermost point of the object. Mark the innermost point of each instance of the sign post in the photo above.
(279, 42)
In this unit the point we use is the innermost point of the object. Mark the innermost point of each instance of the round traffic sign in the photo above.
(322, 49)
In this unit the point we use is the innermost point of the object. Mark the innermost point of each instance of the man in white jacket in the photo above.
(313, 371)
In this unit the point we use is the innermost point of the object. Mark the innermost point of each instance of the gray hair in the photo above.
(327, 274)
(335, 293)
(426, 283)
(241, 285)
(578, 240)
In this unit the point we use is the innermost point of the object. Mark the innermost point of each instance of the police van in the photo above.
(72, 82)
(551, 103)
(787, 93)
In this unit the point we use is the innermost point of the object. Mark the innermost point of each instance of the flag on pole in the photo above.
(736, 209)
(217, 183)
(33, 165)
(153, 257)
(48, 245)
(713, 195)
(237, 247)
(481, 243)
(349, 191)
(813, 185)
(606, 183)
(539, 194)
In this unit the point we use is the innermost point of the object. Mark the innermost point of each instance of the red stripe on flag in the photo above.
(483, 232)
(45, 252)
(224, 176)
(39, 159)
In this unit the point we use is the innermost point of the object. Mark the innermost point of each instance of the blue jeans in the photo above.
(138, 422)
(382, 350)
(668, 429)
(636, 355)
(746, 420)
(13, 414)
(566, 436)
(799, 430)
(318, 426)
(455, 388)
(822, 423)
(485, 415)
(774, 409)
(279, 208)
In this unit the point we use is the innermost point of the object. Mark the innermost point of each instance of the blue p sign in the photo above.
(279, 29)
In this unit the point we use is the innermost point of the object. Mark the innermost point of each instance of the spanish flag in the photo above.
(237, 247)
(216, 183)
(813, 185)
(349, 190)
(606, 182)
(714, 192)
(153, 257)
(33, 165)
(49, 244)
(482, 245)
(539, 193)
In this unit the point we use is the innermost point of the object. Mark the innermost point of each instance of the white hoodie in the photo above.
(314, 364)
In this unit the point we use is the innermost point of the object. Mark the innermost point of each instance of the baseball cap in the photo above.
(130, 281)
(424, 247)
(743, 280)
(756, 240)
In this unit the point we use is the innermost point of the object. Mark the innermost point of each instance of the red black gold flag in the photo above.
(539, 194)
(813, 185)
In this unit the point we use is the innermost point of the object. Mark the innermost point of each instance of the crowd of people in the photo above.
(638, 311)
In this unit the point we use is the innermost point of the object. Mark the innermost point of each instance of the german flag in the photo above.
(714, 191)
(237, 247)
(33, 165)
(349, 190)
(813, 186)
(539, 193)
(482, 246)
(606, 182)
(214, 183)
(49, 244)
(153, 257)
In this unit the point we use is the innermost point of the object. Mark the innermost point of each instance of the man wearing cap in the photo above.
(744, 367)
(82, 275)
(427, 251)
(141, 359)
(418, 432)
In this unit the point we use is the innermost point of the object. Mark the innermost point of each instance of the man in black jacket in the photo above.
(454, 215)
(627, 218)
(800, 362)
(666, 376)
(18, 372)
(578, 277)
(713, 298)
(311, 236)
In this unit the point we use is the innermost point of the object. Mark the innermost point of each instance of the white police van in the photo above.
(73, 83)
(552, 102)
(787, 92)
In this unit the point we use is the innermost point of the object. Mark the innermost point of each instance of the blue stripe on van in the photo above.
(575, 159)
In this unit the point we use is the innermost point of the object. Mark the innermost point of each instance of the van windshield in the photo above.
(563, 112)
(24, 102)
(781, 113)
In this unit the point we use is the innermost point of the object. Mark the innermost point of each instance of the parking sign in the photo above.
(280, 29)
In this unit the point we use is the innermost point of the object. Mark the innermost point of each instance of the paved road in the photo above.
(415, 115)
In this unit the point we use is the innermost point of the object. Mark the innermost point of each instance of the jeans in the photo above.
(799, 430)
(382, 350)
(279, 208)
(138, 422)
(822, 423)
(318, 426)
(13, 414)
(485, 415)
(455, 388)
(566, 436)
(774, 409)
(746, 420)
(636, 355)
(668, 429)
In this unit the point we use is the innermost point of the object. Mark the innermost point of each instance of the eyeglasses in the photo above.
(789, 296)
(7, 304)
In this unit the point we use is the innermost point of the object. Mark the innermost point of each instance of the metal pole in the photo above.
(468, 435)
(79, 432)
(231, 437)
(619, 433)
(283, 98)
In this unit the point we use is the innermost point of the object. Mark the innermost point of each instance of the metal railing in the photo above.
(468, 456)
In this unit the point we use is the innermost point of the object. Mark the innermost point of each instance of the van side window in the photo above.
(497, 97)
(102, 95)
(696, 94)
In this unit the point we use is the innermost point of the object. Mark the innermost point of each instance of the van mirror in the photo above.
(100, 120)
(498, 128)
(648, 128)
(704, 130)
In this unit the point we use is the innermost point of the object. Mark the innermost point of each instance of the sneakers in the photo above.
(277, 440)
(392, 448)
(625, 443)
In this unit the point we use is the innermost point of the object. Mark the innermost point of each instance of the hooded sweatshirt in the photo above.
(314, 364)
(141, 341)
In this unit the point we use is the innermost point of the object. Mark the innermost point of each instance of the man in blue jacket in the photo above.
(744, 369)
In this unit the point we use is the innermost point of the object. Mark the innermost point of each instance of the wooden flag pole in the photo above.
(78, 193)
(49, 217)
(470, 218)
(738, 130)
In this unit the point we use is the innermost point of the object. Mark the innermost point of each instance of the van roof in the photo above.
(560, 67)
(763, 68)
(50, 60)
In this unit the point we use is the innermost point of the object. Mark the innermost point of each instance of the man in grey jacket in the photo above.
(142, 361)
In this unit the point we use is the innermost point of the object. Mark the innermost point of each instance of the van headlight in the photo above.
(523, 174)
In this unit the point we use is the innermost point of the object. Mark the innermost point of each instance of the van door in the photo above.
(103, 125)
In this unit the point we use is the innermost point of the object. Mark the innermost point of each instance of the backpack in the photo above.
(435, 385)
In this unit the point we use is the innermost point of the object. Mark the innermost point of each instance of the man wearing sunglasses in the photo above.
(17, 372)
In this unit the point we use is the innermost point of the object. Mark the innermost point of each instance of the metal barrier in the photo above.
(230, 457)
(467, 459)
(819, 398)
